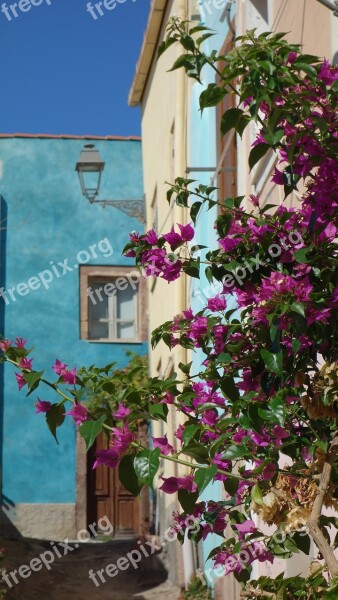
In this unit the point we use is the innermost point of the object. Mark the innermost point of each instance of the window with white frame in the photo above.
(111, 301)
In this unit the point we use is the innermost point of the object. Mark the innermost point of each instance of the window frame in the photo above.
(101, 274)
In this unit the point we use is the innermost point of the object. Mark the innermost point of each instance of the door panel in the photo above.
(106, 496)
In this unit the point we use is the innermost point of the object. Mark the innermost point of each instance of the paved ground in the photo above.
(67, 578)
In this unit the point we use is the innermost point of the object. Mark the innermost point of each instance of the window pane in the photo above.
(99, 330)
(98, 312)
(98, 309)
(126, 331)
(126, 304)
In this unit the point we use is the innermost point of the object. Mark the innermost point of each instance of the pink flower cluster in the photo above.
(153, 256)
(68, 376)
(120, 440)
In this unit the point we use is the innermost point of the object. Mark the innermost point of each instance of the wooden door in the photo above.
(106, 496)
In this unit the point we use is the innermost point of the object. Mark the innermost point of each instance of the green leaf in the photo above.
(257, 153)
(277, 408)
(256, 494)
(332, 593)
(192, 269)
(204, 476)
(281, 594)
(273, 362)
(234, 452)
(189, 432)
(195, 208)
(187, 42)
(127, 475)
(230, 119)
(146, 465)
(296, 344)
(224, 358)
(229, 388)
(300, 255)
(211, 96)
(231, 485)
(33, 380)
(187, 500)
(298, 307)
(197, 451)
(109, 387)
(302, 541)
(89, 430)
(158, 411)
(55, 417)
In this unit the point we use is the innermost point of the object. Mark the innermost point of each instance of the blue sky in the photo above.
(62, 71)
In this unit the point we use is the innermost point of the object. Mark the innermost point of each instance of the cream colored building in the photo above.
(164, 98)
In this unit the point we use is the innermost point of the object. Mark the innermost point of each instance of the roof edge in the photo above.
(70, 137)
(147, 52)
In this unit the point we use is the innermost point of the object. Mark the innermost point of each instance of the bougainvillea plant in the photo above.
(260, 415)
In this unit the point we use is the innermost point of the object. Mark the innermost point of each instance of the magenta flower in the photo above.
(328, 73)
(173, 484)
(171, 270)
(26, 363)
(134, 237)
(20, 343)
(209, 417)
(254, 200)
(59, 367)
(168, 398)
(173, 238)
(5, 344)
(259, 140)
(20, 380)
(199, 327)
(217, 303)
(229, 243)
(269, 471)
(68, 376)
(187, 232)
(179, 432)
(278, 177)
(151, 237)
(260, 440)
(292, 56)
(189, 315)
(122, 438)
(246, 527)
(110, 458)
(163, 445)
(42, 406)
(122, 412)
(79, 414)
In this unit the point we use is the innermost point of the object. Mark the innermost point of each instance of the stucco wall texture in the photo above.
(45, 220)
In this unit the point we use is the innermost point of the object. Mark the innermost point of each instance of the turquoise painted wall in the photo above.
(49, 221)
(203, 153)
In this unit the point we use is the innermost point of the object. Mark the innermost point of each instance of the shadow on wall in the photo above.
(3, 236)
(7, 530)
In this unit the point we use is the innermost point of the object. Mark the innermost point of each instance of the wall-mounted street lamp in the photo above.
(89, 169)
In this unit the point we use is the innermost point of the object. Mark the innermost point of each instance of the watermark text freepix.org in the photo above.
(98, 9)
(23, 6)
(45, 277)
(109, 289)
(144, 550)
(58, 550)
